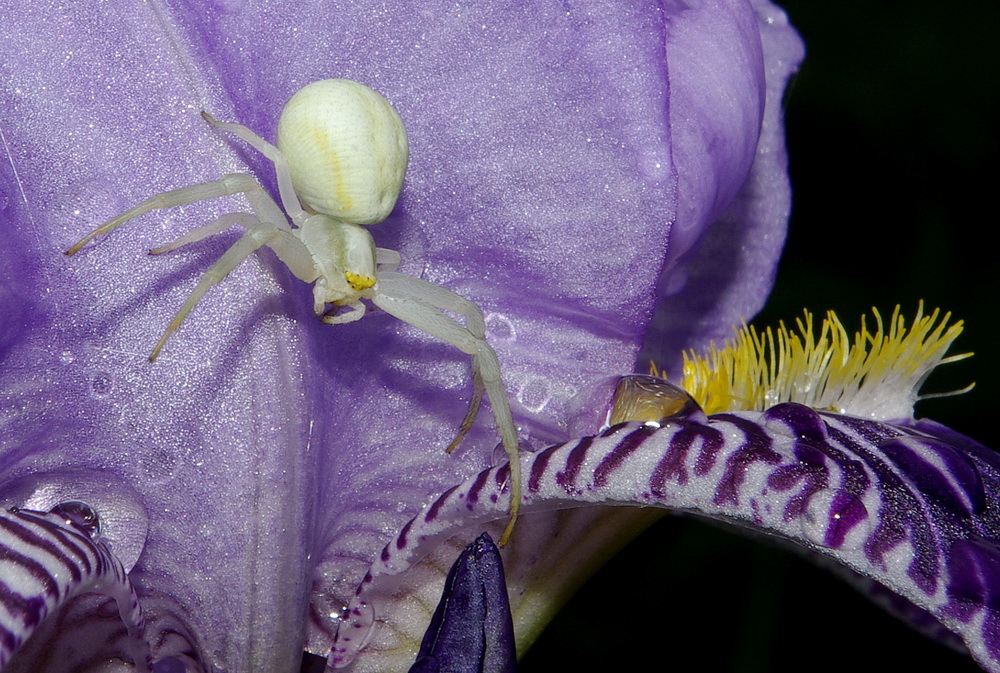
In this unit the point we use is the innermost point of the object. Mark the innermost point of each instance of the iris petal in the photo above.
(272, 454)
(48, 561)
(844, 493)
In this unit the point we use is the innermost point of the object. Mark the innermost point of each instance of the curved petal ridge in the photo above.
(904, 509)
(48, 561)
(750, 233)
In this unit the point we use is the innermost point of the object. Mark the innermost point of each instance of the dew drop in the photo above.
(81, 514)
(337, 614)
(535, 394)
(123, 521)
(101, 385)
(835, 519)
(652, 400)
(500, 328)
(499, 455)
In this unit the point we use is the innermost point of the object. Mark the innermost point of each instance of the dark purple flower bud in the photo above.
(471, 630)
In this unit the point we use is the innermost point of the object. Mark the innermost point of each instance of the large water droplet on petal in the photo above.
(796, 421)
(652, 400)
(835, 519)
(81, 514)
(100, 498)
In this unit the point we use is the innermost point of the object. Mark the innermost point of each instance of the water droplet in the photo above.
(81, 514)
(500, 328)
(500, 455)
(101, 385)
(651, 399)
(337, 614)
(835, 519)
(796, 421)
(67, 357)
(534, 394)
(123, 521)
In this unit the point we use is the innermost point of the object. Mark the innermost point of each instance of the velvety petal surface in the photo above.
(260, 465)
(720, 275)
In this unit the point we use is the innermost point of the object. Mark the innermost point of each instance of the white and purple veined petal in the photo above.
(910, 508)
(54, 570)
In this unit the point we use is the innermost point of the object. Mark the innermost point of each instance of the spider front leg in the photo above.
(268, 227)
(420, 303)
(235, 183)
(258, 235)
(214, 227)
(285, 245)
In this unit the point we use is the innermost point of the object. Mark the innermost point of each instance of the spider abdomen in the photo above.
(347, 150)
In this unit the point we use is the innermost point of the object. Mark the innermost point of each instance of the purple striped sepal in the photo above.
(912, 507)
(60, 585)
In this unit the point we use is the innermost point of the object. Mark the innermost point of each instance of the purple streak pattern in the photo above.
(900, 506)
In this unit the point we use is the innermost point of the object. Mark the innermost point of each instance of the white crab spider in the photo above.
(340, 160)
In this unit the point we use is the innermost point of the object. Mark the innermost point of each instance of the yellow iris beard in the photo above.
(875, 375)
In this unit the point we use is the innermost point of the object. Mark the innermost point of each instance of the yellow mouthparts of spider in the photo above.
(342, 183)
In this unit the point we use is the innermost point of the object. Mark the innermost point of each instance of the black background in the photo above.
(892, 129)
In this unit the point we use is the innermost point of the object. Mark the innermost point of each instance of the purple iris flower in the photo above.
(604, 181)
